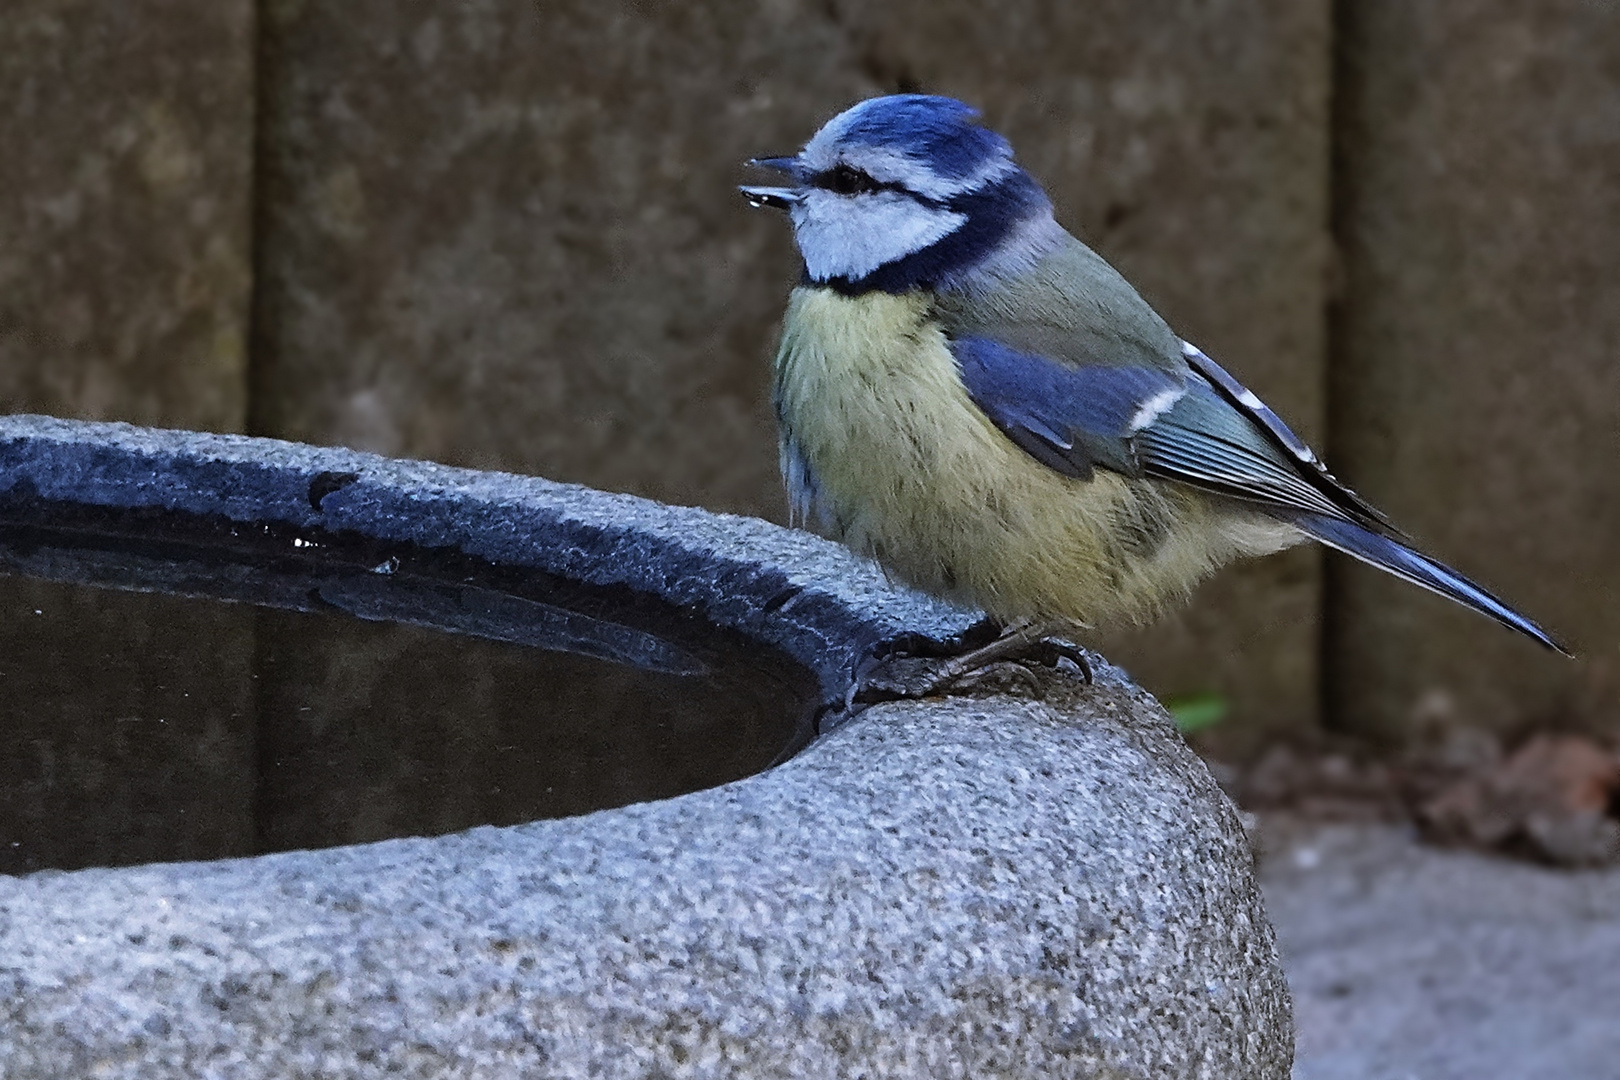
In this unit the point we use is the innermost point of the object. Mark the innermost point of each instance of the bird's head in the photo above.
(907, 191)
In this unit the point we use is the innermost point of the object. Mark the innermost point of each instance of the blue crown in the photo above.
(939, 130)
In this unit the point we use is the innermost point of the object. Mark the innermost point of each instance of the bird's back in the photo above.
(1070, 306)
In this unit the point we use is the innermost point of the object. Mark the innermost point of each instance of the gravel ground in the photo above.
(1412, 963)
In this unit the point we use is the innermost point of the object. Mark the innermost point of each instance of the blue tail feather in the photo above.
(1409, 565)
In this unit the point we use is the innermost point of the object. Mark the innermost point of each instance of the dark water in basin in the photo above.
(342, 691)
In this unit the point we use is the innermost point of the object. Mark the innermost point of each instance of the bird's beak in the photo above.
(786, 165)
(783, 198)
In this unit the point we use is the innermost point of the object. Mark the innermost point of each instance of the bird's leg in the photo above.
(1025, 640)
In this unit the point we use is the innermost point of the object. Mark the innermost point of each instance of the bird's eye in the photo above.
(846, 180)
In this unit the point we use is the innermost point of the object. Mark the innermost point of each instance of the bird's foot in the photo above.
(913, 669)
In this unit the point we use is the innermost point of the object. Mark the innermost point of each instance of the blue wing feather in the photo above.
(1130, 419)
(1203, 441)
(1195, 424)
(1245, 400)
(1070, 418)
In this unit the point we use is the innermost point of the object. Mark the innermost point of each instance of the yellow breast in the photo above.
(894, 459)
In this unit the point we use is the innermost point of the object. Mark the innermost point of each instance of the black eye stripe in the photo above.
(845, 180)
(848, 180)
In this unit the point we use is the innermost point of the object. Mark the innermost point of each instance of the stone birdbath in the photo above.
(1037, 879)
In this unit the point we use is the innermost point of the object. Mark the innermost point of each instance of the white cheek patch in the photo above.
(844, 236)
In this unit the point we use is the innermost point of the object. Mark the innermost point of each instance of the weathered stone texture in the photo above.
(1476, 381)
(503, 235)
(124, 209)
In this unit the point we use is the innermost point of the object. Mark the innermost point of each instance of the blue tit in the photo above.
(974, 398)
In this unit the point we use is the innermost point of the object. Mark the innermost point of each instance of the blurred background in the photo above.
(505, 234)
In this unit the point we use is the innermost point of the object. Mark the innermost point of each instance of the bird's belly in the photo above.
(883, 449)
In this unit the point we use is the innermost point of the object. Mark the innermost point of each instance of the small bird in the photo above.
(973, 397)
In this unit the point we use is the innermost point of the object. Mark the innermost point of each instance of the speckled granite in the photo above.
(986, 886)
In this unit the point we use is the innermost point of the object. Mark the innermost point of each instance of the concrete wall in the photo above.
(1476, 373)
(506, 236)
(124, 209)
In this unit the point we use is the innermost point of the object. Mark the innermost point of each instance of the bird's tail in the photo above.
(1419, 569)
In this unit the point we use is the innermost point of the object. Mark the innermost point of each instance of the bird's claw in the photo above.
(1052, 651)
(894, 670)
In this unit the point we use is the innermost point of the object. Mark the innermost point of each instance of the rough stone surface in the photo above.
(812, 598)
(973, 887)
(941, 890)
(1476, 389)
(124, 209)
(508, 237)
(1410, 961)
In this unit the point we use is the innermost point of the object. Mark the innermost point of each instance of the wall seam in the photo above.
(1330, 641)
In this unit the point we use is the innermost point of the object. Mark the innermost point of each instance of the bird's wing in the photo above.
(1202, 429)
(1196, 425)
(1067, 360)
(1206, 441)
(1247, 402)
(1075, 367)
(1069, 418)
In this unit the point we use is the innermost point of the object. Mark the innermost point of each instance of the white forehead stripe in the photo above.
(890, 165)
